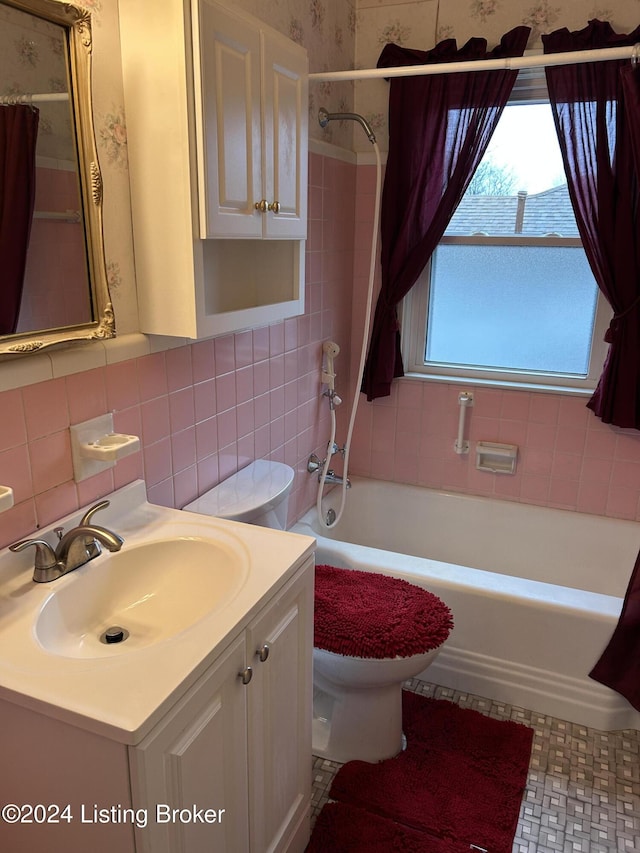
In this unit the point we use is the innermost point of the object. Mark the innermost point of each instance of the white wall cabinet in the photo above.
(242, 750)
(251, 128)
(216, 110)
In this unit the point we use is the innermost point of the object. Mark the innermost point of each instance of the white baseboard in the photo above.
(577, 700)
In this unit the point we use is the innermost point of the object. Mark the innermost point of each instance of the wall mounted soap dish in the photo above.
(110, 447)
(95, 446)
(496, 458)
(6, 498)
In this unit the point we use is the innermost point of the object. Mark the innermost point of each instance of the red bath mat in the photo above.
(461, 778)
(341, 828)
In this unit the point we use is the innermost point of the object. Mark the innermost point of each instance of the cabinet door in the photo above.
(196, 758)
(228, 123)
(285, 124)
(280, 719)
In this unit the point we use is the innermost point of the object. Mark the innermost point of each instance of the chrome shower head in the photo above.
(325, 117)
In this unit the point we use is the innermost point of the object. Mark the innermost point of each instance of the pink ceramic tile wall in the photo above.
(567, 457)
(203, 410)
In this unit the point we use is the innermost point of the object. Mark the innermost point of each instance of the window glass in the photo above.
(509, 291)
(499, 307)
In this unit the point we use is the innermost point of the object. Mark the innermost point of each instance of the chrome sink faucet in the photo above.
(75, 547)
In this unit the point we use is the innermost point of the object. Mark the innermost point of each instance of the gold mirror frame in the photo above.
(77, 23)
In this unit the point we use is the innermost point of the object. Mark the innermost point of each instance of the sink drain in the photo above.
(115, 634)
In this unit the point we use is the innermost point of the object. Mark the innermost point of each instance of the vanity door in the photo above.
(190, 772)
(280, 712)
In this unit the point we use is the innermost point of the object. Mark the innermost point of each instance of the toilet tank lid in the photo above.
(261, 484)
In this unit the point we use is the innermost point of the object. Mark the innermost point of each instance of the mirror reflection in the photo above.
(52, 272)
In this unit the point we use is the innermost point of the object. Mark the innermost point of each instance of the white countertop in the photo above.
(122, 695)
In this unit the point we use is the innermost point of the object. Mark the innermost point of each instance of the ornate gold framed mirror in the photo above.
(53, 280)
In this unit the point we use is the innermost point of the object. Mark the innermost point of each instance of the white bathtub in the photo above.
(535, 592)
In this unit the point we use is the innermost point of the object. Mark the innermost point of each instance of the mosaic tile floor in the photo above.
(583, 788)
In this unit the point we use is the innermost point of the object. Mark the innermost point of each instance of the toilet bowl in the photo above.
(372, 633)
(257, 494)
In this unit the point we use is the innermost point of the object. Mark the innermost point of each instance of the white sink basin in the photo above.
(153, 591)
(183, 586)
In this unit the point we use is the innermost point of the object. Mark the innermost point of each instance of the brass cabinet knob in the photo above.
(262, 205)
(274, 206)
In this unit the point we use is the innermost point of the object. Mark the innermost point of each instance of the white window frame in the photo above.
(414, 309)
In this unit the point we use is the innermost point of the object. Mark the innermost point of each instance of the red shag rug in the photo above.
(458, 784)
(368, 615)
(341, 828)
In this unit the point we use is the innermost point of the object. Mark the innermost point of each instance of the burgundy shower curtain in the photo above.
(439, 129)
(619, 665)
(18, 135)
(593, 125)
(599, 117)
(630, 76)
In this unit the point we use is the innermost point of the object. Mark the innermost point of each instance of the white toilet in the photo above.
(357, 702)
(257, 494)
(370, 637)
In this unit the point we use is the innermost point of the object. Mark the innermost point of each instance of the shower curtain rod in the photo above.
(32, 99)
(509, 63)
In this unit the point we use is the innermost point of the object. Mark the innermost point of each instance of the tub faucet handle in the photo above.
(314, 463)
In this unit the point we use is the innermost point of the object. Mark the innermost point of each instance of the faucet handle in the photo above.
(86, 518)
(45, 555)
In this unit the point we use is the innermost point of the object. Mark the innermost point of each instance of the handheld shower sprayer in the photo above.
(331, 350)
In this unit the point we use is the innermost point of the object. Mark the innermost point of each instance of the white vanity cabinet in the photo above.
(216, 113)
(241, 750)
(224, 745)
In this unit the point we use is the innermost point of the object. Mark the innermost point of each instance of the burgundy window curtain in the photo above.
(439, 129)
(593, 116)
(18, 136)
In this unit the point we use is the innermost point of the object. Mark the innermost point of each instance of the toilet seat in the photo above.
(366, 615)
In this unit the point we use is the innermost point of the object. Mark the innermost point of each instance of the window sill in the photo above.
(538, 387)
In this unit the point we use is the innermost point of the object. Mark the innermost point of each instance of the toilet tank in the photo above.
(257, 494)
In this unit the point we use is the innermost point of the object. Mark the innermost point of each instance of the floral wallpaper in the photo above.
(422, 23)
(327, 29)
(32, 61)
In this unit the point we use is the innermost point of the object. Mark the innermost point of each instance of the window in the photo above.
(508, 296)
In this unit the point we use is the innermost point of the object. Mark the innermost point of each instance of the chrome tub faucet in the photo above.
(315, 464)
(75, 547)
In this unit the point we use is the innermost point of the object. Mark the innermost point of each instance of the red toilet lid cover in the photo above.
(368, 615)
